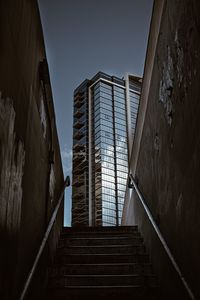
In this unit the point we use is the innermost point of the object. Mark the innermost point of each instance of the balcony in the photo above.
(78, 195)
(79, 94)
(78, 147)
(79, 100)
(80, 166)
(78, 104)
(78, 124)
(78, 158)
(80, 206)
(78, 181)
(98, 167)
(79, 113)
(78, 135)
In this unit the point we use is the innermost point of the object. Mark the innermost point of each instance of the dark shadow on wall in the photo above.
(168, 165)
(31, 174)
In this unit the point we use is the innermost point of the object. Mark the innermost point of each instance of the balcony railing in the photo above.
(78, 124)
(79, 113)
(78, 181)
(78, 135)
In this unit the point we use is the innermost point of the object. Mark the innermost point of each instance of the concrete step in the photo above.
(106, 234)
(128, 292)
(101, 249)
(97, 269)
(102, 280)
(101, 263)
(102, 258)
(104, 229)
(95, 241)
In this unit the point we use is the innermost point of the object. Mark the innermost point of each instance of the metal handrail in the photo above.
(133, 184)
(45, 238)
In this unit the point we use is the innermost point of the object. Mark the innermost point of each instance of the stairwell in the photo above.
(101, 263)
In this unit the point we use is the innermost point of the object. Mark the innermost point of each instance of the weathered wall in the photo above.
(168, 166)
(30, 177)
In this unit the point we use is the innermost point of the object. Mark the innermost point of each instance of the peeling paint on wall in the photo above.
(156, 143)
(180, 62)
(43, 116)
(166, 87)
(52, 183)
(12, 158)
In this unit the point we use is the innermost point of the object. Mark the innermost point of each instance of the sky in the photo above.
(83, 37)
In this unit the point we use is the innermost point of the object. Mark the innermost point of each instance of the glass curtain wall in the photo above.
(99, 181)
(111, 157)
(121, 146)
(105, 190)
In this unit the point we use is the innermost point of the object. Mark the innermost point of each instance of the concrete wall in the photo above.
(168, 163)
(31, 177)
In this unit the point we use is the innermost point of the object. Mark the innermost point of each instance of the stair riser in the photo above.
(113, 293)
(98, 281)
(90, 264)
(102, 269)
(101, 259)
(99, 241)
(100, 234)
(102, 250)
(103, 229)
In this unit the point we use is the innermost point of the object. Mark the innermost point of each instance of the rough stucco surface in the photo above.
(12, 159)
(30, 181)
(169, 163)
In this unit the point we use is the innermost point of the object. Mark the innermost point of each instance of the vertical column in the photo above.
(90, 152)
(128, 112)
(121, 147)
(115, 158)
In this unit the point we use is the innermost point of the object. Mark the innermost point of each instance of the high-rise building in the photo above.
(105, 112)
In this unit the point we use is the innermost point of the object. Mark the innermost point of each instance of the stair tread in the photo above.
(103, 254)
(102, 246)
(101, 261)
(100, 238)
(108, 264)
(129, 292)
(103, 275)
(100, 241)
(108, 233)
(101, 269)
(100, 228)
(105, 286)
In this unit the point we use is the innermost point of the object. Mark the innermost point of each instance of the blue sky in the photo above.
(83, 37)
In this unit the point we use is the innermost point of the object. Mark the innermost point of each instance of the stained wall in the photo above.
(31, 175)
(168, 165)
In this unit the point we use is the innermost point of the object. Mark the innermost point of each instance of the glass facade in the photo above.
(109, 150)
(104, 191)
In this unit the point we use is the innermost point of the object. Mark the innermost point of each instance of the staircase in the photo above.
(101, 263)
